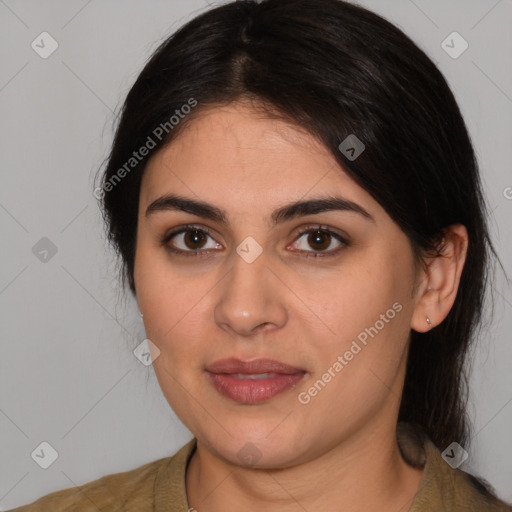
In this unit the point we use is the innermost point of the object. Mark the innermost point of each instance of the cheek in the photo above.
(168, 297)
(354, 298)
(367, 307)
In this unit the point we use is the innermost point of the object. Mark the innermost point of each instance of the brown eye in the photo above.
(190, 241)
(194, 239)
(319, 240)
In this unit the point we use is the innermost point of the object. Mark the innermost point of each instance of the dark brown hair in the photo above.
(335, 69)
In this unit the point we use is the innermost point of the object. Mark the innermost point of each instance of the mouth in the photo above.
(253, 382)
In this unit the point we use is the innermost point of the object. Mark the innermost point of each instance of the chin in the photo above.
(257, 444)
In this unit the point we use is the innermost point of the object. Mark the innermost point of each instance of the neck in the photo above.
(364, 471)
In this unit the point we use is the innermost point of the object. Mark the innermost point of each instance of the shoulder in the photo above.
(444, 487)
(134, 490)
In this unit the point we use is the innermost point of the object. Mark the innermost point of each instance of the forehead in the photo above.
(236, 155)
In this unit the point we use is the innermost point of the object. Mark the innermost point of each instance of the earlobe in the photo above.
(440, 280)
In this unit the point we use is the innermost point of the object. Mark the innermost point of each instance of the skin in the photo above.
(340, 448)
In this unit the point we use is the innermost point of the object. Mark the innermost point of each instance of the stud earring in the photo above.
(141, 315)
(429, 323)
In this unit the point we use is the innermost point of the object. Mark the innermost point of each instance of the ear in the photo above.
(438, 281)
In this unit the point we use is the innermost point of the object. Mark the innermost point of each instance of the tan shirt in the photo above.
(160, 485)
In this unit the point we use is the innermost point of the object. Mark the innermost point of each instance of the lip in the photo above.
(233, 365)
(232, 379)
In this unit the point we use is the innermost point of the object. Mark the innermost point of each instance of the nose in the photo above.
(252, 299)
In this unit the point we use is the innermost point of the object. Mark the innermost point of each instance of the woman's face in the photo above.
(324, 290)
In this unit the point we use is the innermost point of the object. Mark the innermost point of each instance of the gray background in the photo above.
(68, 375)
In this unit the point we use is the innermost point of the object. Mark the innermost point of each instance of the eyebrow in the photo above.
(171, 202)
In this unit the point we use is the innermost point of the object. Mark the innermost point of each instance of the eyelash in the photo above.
(204, 253)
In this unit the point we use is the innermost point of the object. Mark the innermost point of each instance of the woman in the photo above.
(296, 203)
